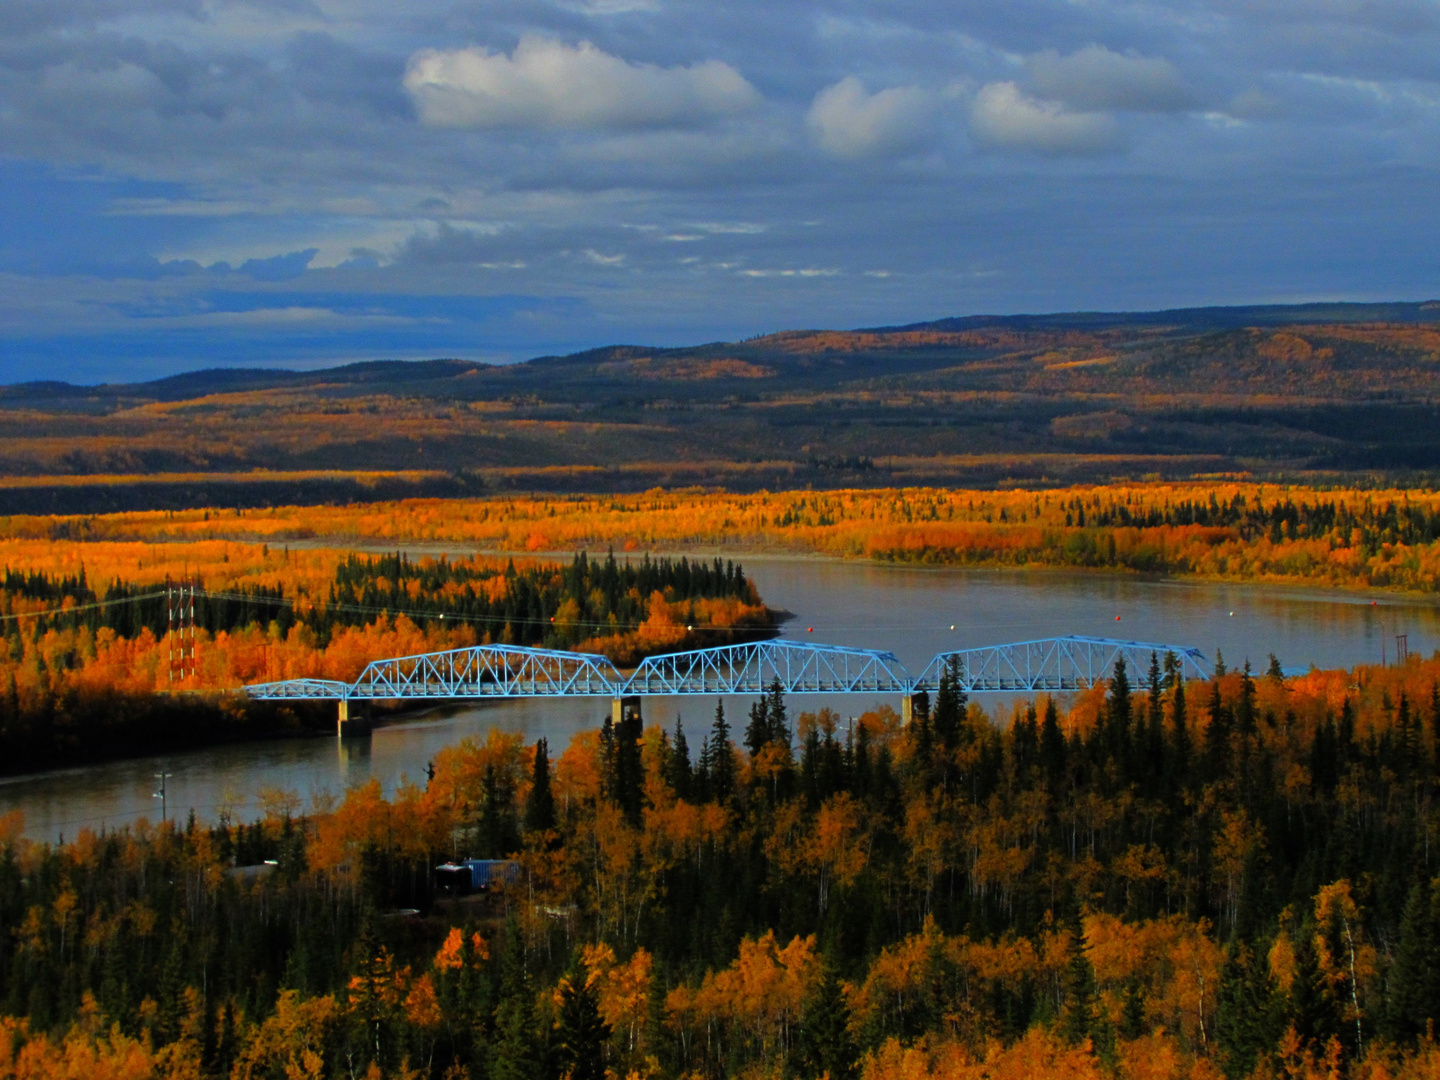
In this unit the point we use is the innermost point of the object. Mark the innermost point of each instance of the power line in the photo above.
(83, 607)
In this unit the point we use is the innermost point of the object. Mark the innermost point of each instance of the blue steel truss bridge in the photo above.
(1055, 665)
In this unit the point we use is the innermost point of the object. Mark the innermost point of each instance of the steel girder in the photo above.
(1056, 664)
(799, 667)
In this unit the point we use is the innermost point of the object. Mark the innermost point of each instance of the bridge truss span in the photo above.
(513, 671)
(1054, 664)
(503, 671)
(799, 668)
(299, 690)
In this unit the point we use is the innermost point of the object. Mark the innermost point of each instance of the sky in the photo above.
(292, 183)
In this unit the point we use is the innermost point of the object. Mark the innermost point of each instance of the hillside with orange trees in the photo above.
(88, 666)
(1224, 880)
(1380, 538)
(1332, 391)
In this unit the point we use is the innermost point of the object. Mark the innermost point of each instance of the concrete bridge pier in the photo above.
(353, 719)
(623, 707)
(913, 705)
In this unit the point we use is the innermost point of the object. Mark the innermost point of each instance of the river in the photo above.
(912, 611)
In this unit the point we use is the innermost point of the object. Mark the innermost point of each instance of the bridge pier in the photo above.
(912, 705)
(353, 718)
(622, 707)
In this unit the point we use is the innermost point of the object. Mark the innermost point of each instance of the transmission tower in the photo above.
(180, 601)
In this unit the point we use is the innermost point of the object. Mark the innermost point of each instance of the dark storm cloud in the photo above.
(647, 170)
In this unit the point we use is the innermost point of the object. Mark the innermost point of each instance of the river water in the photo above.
(911, 611)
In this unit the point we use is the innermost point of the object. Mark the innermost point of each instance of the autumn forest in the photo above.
(1223, 879)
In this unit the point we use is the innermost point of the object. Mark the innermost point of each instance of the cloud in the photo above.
(1096, 78)
(547, 84)
(1005, 118)
(279, 267)
(848, 122)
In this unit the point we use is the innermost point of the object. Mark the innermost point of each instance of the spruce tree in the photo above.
(1412, 999)
(629, 769)
(1119, 714)
(948, 717)
(779, 717)
(1081, 1017)
(757, 731)
(1217, 736)
(824, 1045)
(1250, 1017)
(580, 1032)
(1053, 751)
(540, 806)
(722, 758)
(1025, 744)
(516, 1047)
(860, 779)
(680, 763)
(1181, 748)
(700, 778)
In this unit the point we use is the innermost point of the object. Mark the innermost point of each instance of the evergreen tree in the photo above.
(1152, 759)
(1217, 736)
(498, 833)
(580, 1032)
(1245, 708)
(1250, 1018)
(758, 732)
(860, 778)
(1119, 714)
(1434, 726)
(516, 1047)
(1181, 750)
(629, 768)
(540, 806)
(722, 758)
(680, 763)
(948, 717)
(1081, 1017)
(1025, 744)
(1053, 751)
(700, 778)
(779, 717)
(824, 1046)
(1413, 990)
(607, 758)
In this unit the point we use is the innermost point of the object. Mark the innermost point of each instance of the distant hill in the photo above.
(1305, 390)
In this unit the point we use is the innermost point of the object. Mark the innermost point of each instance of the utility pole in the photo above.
(162, 777)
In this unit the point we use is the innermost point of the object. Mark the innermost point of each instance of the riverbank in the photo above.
(1217, 530)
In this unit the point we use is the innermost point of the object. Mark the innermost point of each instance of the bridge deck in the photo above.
(513, 671)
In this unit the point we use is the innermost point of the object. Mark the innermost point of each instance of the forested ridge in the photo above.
(1037, 401)
(1230, 878)
(1240, 530)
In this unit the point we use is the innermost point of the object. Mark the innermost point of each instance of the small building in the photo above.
(475, 875)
